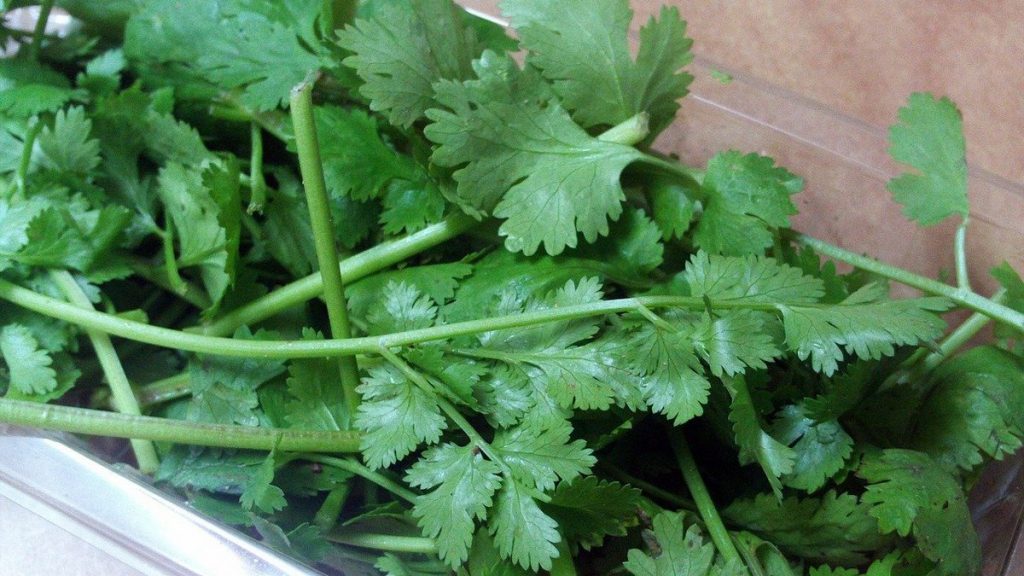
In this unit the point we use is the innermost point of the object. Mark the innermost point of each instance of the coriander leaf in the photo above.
(224, 388)
(583, 47)
(485, 560)
(734, 341)
(437, 281)
(395, 417)
(54, 241)
(533, 166)
(821, 448)
(393, 565)
(454, 376)
(744, 196)
(863, 324)
(357, 162)
(975, 407)
(401, 307)
(588, 509)
(673, 381)
(259, 491)
(1011, 282)
(403, 50)
(289, 233)
(539, 455)
(462, 485)
(505, 398)
(749, 279)
(909, 492)
(170, 140)
(208, 469)
(29, 366)
(929, 137)
(68, 145)
(411, 206)
(319, 402)
(682, 553)
(774, 457)
(28, 88)
(673, 206)
(830, 528)
(522, 532)
(631, 250)
(14, 222)
(235, 47)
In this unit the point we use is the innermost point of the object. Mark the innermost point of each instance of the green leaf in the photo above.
(734, 341)
(395, 417)
(357, 162)
(259, 491)
(29, 88)
(909, 492)
(403, 50)
(673, 381)
(68, 145)
(437, 281)
(319, 401)
(485, 560)
(672, 205)
(756, 445)
(462, 485)
(751, 279)
(830, 528)
(533, 166)
(864, 325)
(401, 307)
(822, 448)
(682, 553)
(745, 196)
(631, 250)
(224, 388)
(540, 455)
(251, 46)
(411, 206)
(929, 137)
(14, 222)
(589, 509)
(975, 408)
(288, 230)
(209, 470)
(28, 364)
(583, 47)
(522, 532)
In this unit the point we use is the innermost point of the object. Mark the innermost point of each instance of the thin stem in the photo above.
(963, 279)
(121, 390)
(193, 294)
(101, 423)
(285, 349)
(171, 272)
(705, 506)
(958, 337)
(25, 162)
(40, 30)
(323, 232)
(353, 268)
(354, 466)
(961, 296)
(385, 542)
(257, 183)
(166, 390)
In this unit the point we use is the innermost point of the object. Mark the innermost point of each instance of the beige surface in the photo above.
(861, 59)
(32, 546)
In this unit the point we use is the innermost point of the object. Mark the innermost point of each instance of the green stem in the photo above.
(385, 542)
(958, 338)
(121, 390)
(40, 30)
(327, 516)
(705, 506)
(166, 390)
(25, 162)
(963, 279)
(285, 349)
(101, 423)
(323, 232)
(961, 296)
(353, 268)
(354, 466)
(563, 564)
(257, 183)
(628, 132)
(193, 294)
(171, 272)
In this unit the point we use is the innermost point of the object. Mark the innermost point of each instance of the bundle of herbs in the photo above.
(547, 347)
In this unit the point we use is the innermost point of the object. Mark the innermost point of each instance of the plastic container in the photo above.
(845, 166)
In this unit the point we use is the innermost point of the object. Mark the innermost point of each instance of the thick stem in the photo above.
(323, 232)
(257, 183)
(705, 506)
(353, 268)
(40, 30)
(100, 423)
(352, 465)
(963, 279)
(327, 516)
(171, 272)
(25, 162)
(629, 132)
(961, 296)
(124, 400)
(385, 542)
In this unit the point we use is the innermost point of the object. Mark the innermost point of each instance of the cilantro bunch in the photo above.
(398, 293)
